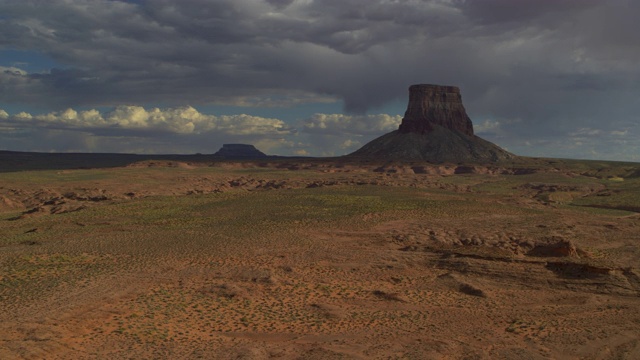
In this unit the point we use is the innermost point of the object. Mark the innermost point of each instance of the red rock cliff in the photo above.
(435, 104)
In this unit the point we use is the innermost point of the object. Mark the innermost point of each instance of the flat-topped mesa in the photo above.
(239, 151)
(435, 105)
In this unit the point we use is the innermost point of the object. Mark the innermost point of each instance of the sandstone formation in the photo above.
(239, 151)
(431, 105)
(435, 128)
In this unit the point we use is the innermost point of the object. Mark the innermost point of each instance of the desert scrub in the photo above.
(160, 210)
(32, 276)
(621, 196)
(273, 209)
(48, 177)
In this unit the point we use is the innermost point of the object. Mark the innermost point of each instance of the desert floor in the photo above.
(321, 260)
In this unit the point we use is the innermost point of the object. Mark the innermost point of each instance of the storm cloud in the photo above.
(539, 71)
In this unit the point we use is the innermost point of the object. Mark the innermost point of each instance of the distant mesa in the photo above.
(239, 151)
(435, 128)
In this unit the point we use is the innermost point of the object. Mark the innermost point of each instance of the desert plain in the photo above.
(320, 259)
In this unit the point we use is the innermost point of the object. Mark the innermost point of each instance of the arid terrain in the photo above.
(320, 259)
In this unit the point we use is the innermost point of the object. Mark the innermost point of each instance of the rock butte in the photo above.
(435, 105)
(435, 128)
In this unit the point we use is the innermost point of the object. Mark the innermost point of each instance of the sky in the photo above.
(550, 78)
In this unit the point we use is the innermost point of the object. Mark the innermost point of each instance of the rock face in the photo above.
(431, 105)
(239, 151)
(435, 128)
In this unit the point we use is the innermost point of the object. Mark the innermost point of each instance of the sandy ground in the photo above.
(249, 261)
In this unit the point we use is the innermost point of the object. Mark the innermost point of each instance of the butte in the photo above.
(436, 129)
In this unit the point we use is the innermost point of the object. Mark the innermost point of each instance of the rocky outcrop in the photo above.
(239, 151)
(555, 247)
(436, 129)
(431, 105)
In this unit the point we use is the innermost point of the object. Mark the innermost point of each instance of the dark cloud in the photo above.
(280, 4)
(230, 48)
(539, 67)
(516, 13)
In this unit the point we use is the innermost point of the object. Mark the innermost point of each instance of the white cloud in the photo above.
(338, 124)
(487, 126)
(350, 144)
(274, 145)
(339, 134)
(619, 132)
(249, 125)
(183, 120)
(12, 71)
(496, 129)
(22, 116)
(586, 132)
(3, 115)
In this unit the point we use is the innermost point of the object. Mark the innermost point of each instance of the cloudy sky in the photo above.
(556, 78)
